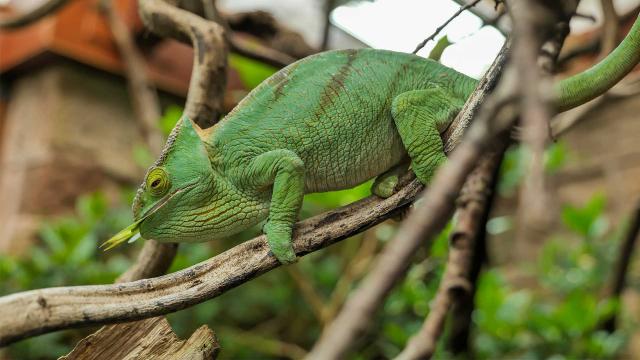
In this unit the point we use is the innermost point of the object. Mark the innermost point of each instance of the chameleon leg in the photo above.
(385, 183)
(419, 116)
(285, 171)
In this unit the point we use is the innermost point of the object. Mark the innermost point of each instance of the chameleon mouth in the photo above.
(132, 232)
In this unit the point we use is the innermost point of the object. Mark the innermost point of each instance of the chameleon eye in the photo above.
(158, 182)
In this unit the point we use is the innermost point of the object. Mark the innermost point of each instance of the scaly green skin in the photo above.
(328, 122)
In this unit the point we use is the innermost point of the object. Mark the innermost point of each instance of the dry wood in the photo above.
(610, 27)
(208, 79)
(150, 339)
(39, 311)
(455, 283)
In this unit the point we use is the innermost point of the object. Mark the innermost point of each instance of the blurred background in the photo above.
(72, 153)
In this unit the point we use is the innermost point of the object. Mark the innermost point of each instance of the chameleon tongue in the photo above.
(125, 234)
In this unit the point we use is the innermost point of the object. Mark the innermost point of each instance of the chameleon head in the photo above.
(179, 183)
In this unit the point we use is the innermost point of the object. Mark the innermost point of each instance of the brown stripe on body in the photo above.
(280, 79)
(338, 79)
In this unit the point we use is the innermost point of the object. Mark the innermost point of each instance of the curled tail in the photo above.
(580, 88)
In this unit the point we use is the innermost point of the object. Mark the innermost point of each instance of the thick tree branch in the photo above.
(443, 25)
(455, 283)
(39, 311)
(460, 323)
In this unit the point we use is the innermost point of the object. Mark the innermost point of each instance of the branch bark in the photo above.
(150, 339)
(40, 311)
(455, 284)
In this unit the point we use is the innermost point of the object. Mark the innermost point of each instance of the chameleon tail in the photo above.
(580, 88)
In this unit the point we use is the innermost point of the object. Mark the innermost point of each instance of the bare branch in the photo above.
(460, 323)
(487, 20)
(443, 25)
(259, 52)
(154, 260)
(36, 14)
(208, 79)
(455, 283)
(422, 224)
(39, 311)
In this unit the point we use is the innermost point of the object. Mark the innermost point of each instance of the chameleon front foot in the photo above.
(279, 239)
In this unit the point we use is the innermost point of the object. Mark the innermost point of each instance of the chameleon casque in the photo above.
(327, 122)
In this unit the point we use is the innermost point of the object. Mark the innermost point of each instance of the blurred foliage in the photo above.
(280, 314)
(559, 319)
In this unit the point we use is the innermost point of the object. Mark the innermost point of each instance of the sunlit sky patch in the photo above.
(386, 24)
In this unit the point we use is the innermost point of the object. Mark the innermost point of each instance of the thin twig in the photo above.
(264, 345)
(354, 270)
(443, 25)
(625, 253)
(460, 324)
(422, 223)
(486, 20)
(328, 6)
(208, 78)
(309, 293)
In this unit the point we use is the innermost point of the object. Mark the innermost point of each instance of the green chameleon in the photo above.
(327, 122)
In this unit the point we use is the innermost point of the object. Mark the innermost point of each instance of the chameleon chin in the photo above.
(327, 122)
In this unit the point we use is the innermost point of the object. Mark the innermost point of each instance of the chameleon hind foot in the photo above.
(387, 183)
(279, 239)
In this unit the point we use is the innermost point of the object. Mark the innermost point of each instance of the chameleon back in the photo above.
(334, 111)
